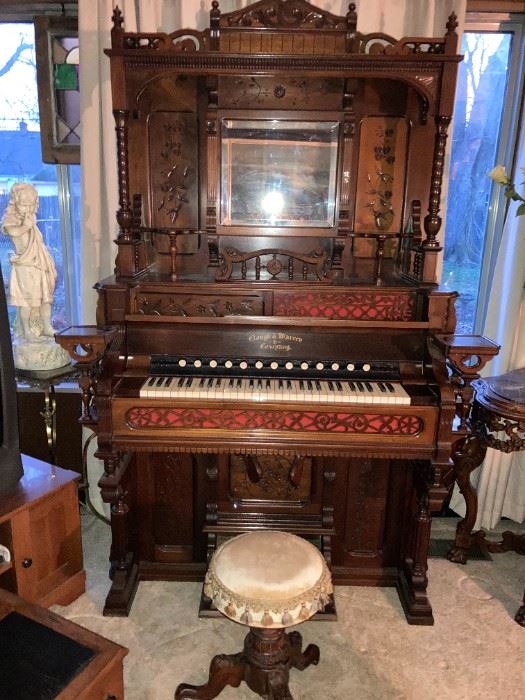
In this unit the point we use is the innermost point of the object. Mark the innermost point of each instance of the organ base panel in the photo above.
(354, 509)
(274, 349)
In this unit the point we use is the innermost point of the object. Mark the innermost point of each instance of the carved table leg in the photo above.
(468, 455)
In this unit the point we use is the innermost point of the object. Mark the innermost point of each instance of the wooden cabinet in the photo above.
(101, 678)
(40, 526)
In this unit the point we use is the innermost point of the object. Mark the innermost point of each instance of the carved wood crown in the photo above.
(289, 14)
(281, 16)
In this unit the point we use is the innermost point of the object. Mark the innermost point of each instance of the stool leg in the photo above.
(225, 669)
(298, 659)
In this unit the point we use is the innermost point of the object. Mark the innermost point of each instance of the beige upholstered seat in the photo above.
(268, 579)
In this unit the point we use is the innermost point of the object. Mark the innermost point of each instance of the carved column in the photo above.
(127, 259)
(432, 221)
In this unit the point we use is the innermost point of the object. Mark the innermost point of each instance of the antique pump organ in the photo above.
(273, 350)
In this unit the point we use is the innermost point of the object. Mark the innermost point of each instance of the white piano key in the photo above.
(280, 389)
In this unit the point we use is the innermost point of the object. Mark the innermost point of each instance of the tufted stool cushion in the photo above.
(268, 579)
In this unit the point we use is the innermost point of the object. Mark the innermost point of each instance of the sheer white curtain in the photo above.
(98, 151)
(500, 481)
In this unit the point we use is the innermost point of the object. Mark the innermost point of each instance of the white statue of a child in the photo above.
(31, 284)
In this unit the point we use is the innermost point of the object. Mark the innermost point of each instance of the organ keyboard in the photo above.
(345, 383)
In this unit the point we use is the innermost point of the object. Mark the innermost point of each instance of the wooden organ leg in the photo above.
(412, 585)
(124, 568)
(468, 455)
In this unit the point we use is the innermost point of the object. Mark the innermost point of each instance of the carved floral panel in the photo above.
(172, 140)
(381, 174)
(208, 305)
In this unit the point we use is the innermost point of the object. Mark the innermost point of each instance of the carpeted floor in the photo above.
(474, 651)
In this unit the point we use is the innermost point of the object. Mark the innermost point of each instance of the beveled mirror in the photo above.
(277, 172)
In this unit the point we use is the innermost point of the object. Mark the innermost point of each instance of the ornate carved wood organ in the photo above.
(273, 349)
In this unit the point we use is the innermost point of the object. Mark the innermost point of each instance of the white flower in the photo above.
(499, 175)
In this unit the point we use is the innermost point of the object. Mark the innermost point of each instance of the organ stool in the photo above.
(267, 580)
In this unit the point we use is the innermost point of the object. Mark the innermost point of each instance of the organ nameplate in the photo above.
(275, 341)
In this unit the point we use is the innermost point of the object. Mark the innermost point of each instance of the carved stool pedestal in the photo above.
(266, 580)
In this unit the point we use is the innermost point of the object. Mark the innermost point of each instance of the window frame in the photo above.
(512, 118)
(24, 12)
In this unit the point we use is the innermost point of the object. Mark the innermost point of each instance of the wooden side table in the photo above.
(73, 664)
(497, 420)
(40, 526)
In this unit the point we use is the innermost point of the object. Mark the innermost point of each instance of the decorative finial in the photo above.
(351, 25)
(118, 19)
(452, 23)
(215, 16)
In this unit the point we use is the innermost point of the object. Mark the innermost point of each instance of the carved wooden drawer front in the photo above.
(210, 305)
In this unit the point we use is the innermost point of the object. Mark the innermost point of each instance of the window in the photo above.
(58, 186)
(489, 91)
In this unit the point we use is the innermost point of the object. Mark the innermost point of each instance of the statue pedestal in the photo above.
(40, 354)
